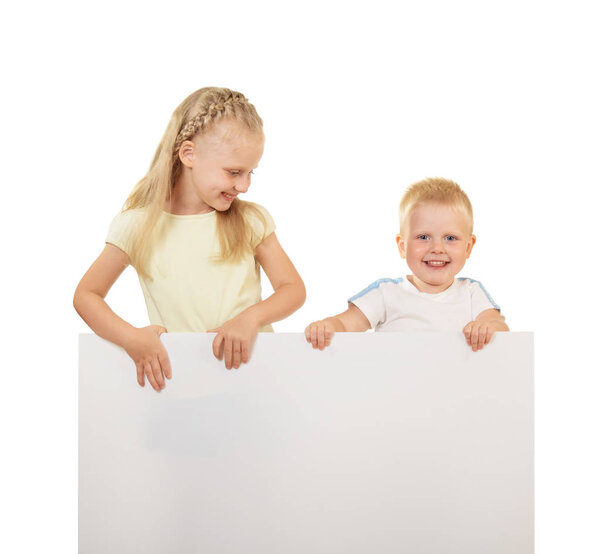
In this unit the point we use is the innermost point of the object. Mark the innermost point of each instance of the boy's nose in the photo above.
(437, 245)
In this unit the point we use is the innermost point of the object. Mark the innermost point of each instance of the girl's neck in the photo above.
(183, 201)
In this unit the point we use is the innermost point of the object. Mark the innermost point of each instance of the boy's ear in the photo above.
(470, 245)
(401, 246)
(186, 153)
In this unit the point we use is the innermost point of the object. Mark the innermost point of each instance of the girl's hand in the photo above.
(150, 357)
(234, 340)
(320, 333)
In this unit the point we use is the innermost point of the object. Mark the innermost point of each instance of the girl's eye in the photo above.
(237, 172)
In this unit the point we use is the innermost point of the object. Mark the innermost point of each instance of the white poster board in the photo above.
(383, 443)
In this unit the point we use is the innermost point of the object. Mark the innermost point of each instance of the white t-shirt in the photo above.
(397, 305)
(189, 290)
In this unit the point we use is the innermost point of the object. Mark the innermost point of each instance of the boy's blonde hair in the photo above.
(434, 190)
(197, 114)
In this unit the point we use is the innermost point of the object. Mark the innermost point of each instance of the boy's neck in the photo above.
(428, 288)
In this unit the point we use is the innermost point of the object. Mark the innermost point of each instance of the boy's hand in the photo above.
(479, 333)
(320, 333)
(234, 340)
(150, 357)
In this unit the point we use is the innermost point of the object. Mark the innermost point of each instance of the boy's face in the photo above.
(436, 242)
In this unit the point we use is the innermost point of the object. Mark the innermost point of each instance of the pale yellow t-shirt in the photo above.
(189, 291)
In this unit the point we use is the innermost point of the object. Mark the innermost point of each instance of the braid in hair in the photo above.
(196, 114)
(229, 103)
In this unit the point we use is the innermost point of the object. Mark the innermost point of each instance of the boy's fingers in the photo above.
(482, 336)
(467, 333)
(313, 336)
(245, 352)
(321, 338)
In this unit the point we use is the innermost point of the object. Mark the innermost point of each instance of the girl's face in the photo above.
(436, 243)
(217, 167)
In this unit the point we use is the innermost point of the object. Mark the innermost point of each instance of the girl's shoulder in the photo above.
(122, 225)
(259, 220)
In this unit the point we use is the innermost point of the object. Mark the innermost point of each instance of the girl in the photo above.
(195, 245)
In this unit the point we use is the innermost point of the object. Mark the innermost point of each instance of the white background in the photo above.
(359, 100)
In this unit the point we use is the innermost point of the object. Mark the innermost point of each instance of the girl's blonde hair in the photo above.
(435, 190)
(197, 114)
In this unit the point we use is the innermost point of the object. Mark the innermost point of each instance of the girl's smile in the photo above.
(217, 167)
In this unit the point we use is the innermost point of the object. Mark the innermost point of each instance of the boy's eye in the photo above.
(451, 238)
(422, 237)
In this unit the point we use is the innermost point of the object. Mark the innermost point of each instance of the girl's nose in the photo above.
(243, 183)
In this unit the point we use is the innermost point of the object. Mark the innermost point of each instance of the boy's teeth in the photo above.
(436, 263)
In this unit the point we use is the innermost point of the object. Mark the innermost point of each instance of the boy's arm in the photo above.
(320, 333)
(480, 331)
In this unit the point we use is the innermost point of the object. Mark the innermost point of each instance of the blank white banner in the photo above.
(384, 443)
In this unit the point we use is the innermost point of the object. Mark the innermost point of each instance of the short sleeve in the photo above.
(371, 303)
(480, 299)
(121, 228)
(261, 222)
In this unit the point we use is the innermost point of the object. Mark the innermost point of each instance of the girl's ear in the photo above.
(470, 245)
(186, 152)
(401, 246)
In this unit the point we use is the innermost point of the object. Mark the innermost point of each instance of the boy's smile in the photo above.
(436, 242)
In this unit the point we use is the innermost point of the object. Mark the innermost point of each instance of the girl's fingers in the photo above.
(140, 375)
(228, 353)
(237, 354)
(150, 376)
(156, 370)
(163, 359)
(216, 345)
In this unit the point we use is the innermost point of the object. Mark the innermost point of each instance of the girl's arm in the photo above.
(143, 345)
(320, 333)
(480, 331)
(234, 338)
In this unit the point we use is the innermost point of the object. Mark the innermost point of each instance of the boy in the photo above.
(436, 225)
